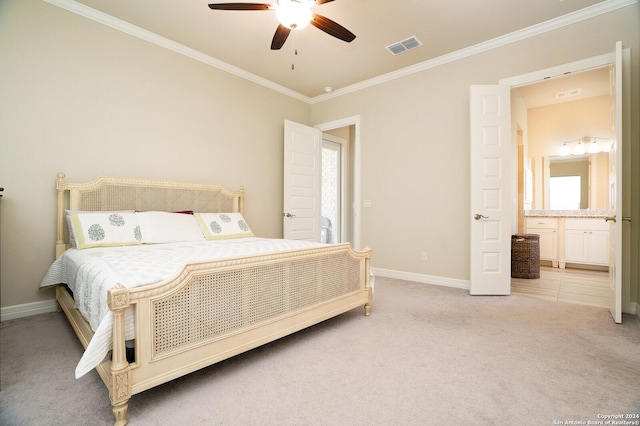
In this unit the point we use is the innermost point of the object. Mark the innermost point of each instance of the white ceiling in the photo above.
(240, 40)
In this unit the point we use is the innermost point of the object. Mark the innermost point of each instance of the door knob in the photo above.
(612, 218)
(479, 216)
(288, 215)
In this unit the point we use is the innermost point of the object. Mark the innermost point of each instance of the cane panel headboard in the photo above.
(120, 193)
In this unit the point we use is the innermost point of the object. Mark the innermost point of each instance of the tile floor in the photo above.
(568, 285)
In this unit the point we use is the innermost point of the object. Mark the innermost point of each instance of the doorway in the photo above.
(590, 83)
(302, 189)
(333, 183)
(345, 132)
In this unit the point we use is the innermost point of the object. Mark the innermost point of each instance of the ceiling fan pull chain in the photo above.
(295, 49)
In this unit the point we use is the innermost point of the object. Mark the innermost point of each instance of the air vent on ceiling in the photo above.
(568, 93)
(404, 45)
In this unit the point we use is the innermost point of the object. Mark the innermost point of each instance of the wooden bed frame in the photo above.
(212, 310)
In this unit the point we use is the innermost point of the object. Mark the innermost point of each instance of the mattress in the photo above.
(90, 273)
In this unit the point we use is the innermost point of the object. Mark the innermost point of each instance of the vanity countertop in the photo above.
(567, 213)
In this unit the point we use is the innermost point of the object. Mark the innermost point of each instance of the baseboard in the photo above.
(28, 309)
(421, 278)
(46, 306)
(628, 308)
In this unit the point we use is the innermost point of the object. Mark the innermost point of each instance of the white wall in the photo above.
(84, 99)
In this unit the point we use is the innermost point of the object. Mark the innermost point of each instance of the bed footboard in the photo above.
(215, 310)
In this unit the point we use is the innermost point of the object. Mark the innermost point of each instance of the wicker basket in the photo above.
(525, 256)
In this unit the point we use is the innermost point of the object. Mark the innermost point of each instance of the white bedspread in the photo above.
(90, 273)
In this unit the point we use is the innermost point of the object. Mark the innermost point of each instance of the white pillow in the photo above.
(103, 229)
(217, 226)
(165, 227)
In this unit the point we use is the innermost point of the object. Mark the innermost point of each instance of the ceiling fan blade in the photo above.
(240, 6)
(332, 28)
(280, 37)
(323, 1)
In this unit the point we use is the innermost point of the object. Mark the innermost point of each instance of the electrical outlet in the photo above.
(423, 256)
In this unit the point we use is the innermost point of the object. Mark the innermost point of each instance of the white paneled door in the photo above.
(302, 190)
(615, 190)
(490, 228)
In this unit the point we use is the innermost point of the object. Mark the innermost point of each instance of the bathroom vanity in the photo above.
(571, 236)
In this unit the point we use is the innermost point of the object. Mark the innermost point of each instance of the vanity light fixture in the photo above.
(593, 147)
(585, 145)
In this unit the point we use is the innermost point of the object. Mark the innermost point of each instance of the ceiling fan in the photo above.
(293, 14)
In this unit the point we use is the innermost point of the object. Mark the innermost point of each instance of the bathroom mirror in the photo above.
(576, 182)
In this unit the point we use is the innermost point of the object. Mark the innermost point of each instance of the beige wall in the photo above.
(550, 126)
(82, 98)
(599, 180)
(415, 145)
(521, 162)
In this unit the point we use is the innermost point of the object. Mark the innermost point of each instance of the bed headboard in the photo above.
(120, 193)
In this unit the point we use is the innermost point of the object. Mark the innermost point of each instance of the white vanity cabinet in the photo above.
(547, 228)
(577, 240)
(586, 241)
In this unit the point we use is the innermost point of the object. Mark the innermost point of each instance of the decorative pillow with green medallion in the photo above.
(104, 229)
(218, 226)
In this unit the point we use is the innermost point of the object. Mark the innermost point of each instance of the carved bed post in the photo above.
(239, 201)
(367, 280)
(120, 387)
(60, 244)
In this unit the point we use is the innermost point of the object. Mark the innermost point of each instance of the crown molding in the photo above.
(534, 30)
(141, 33)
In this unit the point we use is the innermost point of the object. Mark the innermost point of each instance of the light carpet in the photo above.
(428, 355)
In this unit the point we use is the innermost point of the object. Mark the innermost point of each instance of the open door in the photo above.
(333, 189)
(615, 190)
(302, 191)
(490, 228)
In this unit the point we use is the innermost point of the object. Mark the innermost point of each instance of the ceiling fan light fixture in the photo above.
(294, 14)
